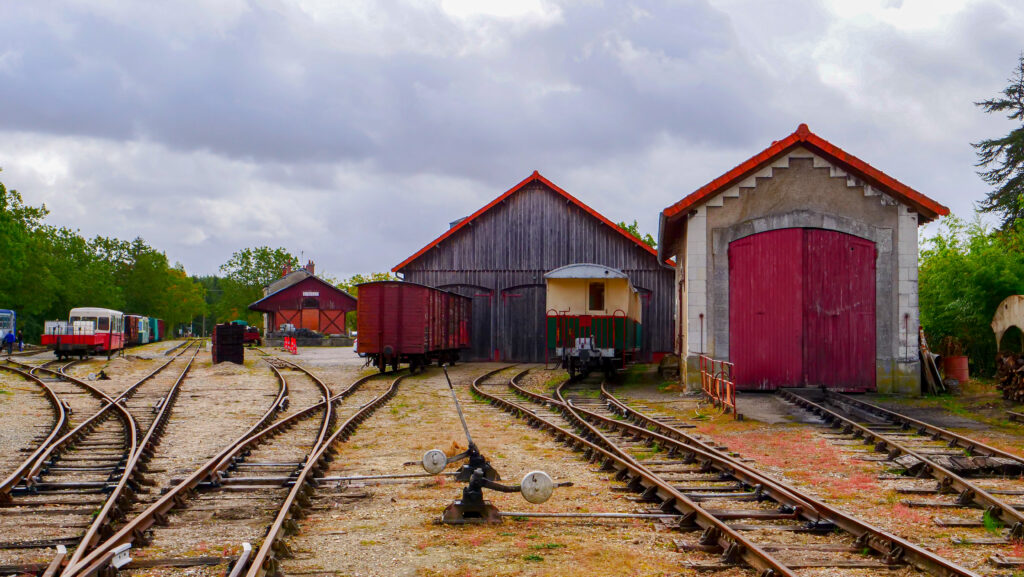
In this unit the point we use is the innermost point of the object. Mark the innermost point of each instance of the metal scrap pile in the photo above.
(1010, 375)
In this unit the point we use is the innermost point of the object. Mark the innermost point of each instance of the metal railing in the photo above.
(717, 384)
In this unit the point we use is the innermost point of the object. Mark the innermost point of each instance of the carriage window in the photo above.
(596, 296)
(103, 324)
(310, 303)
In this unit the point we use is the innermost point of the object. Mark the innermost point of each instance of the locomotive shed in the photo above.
(799, 266)
(370, 513)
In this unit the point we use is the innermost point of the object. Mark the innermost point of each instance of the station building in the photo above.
(799, 266)
(306, 301)
(499, 254)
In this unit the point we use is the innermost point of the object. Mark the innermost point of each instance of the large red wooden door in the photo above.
(839, 311)
(765, 304)
(802, 310)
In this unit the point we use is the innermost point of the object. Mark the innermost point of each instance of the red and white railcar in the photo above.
(88, 331)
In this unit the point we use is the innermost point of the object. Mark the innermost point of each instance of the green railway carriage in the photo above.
(593, 318)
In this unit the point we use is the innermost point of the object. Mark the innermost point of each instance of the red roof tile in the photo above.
(803, 136)
(536, 176)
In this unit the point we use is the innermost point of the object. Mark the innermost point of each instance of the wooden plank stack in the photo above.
(1010, 375)
(227, 343)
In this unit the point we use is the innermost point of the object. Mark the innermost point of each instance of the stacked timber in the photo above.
(227, 343)
(1010, 375)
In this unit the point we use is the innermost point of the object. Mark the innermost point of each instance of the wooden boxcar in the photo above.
(89, 331)
(593, 318)
(401, 322)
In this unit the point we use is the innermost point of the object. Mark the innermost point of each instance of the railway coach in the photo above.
(593, 318)
(402, 322)
(136, 330)
(88, 331)
(8, 322)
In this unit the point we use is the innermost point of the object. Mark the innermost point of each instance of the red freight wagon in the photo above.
(402, 322)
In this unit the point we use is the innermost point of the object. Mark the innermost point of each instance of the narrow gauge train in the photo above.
(402, 322)
(8, 323)
(593, 318)
(88, 331)
(136, 330)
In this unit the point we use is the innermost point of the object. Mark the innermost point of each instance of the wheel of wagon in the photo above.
(382, 365)
(414, 366)
(394, 363)
(572, 368)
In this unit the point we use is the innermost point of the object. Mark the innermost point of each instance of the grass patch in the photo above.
(533, 557)
(992, 524)
(548, 546)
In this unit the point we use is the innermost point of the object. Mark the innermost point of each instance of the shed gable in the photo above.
(535, 229)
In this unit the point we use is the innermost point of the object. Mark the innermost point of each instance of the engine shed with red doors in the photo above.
(799, 266)
(498, 257)
(307, 302)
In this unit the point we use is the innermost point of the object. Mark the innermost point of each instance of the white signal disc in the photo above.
(537, 487)
(434, 461)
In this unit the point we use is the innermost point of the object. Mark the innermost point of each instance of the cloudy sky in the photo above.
(353, 131)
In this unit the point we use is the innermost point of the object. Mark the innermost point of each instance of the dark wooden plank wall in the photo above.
(500, 259)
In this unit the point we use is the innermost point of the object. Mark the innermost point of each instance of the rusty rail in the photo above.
(140, 455)
(717, 384)
(625, 466)
(264, 561)
(948, 481)
(972, 446)
(872, 536)
(134, 528)
(60, 422)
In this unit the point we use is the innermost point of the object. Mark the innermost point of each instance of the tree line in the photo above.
(47, 270)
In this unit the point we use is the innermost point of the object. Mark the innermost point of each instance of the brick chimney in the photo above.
(286, 270)
(310, 267)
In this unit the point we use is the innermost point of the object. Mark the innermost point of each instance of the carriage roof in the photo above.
(587, 271)
(94, 312)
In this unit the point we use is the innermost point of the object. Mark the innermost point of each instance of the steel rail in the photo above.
(955, 440)
(60, 422)
(949, 482)
(84, 427)
(264, 561)
(729, 539)
(693, 515)
(134, 529)
(873, 537)
(118, 497)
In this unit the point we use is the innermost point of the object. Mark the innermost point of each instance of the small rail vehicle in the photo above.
(593, 318)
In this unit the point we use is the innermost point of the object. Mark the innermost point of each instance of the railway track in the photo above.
(263, 477)
(742, 516)
(86, 477)
(962, 474)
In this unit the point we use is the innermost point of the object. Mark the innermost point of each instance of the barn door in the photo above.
(839, 311)
(765, 309)
(480, 331)
(525, 324)
(310, 319)
(802, 310)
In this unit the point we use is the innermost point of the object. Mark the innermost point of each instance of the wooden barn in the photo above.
(302, 299)
(498, 256)
(799, 266)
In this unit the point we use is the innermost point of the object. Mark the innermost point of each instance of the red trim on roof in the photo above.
(803, 135)
(536, 176)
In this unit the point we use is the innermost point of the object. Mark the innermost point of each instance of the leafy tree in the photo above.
(245, 275)
(1004, 157)
(965, 272)
(634, 229)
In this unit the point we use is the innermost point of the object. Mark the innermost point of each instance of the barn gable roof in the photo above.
(926, 207)
(256, 306)
(535, 177)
